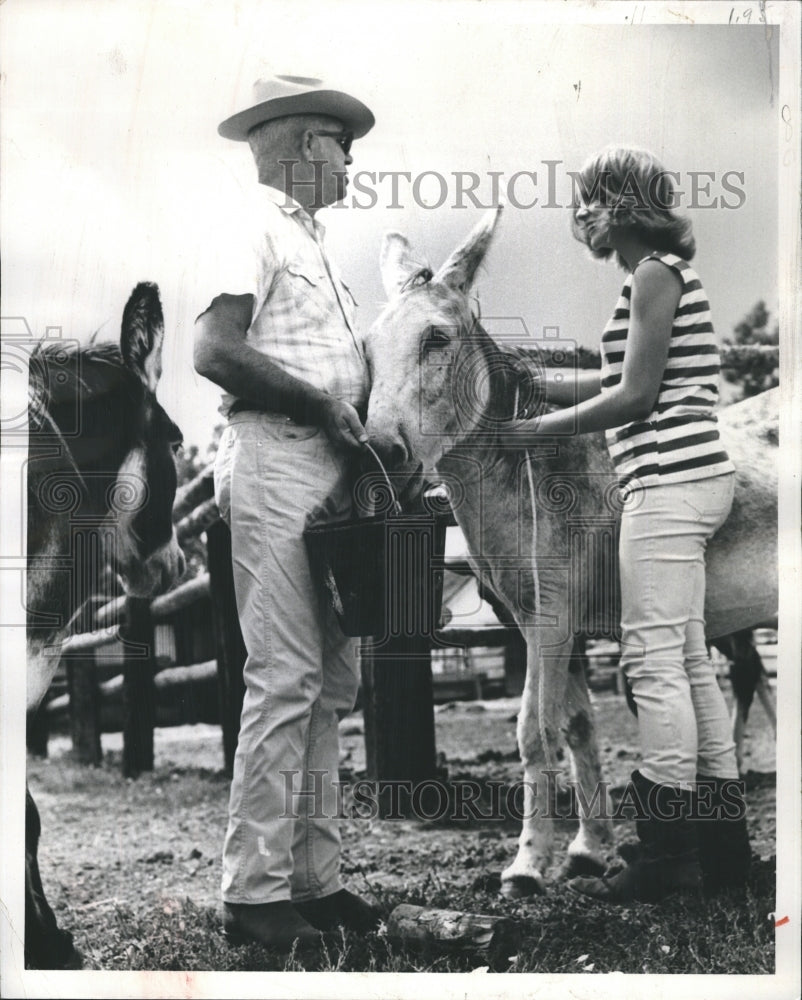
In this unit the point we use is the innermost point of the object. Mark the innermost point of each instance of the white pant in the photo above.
(300, 673)
(682, 716)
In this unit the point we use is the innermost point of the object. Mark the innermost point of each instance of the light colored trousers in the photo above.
(300, 673)
(682, 716)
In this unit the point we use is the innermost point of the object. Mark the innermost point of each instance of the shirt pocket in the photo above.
(310, 289)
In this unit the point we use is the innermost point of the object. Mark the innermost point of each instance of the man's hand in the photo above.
(342, 424)
(223, 355)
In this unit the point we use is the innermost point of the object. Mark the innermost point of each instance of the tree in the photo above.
(752, 363)
(188, 464)
(754, 327)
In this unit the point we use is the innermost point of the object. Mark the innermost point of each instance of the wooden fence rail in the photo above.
(130, 622)
(397, 683)
(397, 686)
(183, 596)
(193, 493)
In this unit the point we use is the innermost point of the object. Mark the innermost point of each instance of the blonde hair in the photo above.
(639, 192)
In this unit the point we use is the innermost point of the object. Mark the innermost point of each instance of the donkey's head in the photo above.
(149, 558)
(113, 465)
(429, 369)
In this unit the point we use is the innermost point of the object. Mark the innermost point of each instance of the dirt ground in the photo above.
(111, 845)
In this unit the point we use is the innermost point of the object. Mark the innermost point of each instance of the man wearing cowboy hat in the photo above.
(295, 382)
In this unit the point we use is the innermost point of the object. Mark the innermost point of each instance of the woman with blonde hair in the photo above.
(655, 398)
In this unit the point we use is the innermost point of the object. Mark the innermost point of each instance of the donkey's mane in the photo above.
(60, 374)
(513, 371)
(513, 380)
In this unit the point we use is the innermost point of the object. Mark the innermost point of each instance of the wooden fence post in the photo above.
(398, 708)
(139, 699)
(88, 576)
(230, 647)
(84, 708)
(515, 654)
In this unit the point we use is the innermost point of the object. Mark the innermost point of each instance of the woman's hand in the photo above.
(558, 422)
(655, 295)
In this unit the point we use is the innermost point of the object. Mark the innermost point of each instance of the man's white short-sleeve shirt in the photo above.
(304, 313)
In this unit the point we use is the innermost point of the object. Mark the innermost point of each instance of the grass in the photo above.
(562, 933)
(132, 868)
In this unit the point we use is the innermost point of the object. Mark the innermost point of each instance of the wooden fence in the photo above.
(130, 623)
(397, 691)
(397, 684)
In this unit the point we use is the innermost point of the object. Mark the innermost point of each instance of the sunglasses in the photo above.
(344, 139)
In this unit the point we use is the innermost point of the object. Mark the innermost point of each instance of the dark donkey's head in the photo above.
(102, 457)
(429, 358)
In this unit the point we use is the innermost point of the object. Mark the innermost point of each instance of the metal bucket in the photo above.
(383, 574)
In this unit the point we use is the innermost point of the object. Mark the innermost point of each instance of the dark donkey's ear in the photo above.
(142, 333)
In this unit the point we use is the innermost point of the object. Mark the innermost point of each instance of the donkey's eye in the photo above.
(434, 338)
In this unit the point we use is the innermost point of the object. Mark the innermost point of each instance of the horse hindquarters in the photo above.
(748, 677)
(46, 947)
(747, 667)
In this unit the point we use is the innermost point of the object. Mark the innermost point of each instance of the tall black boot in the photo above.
(722, 838)
(668, 861)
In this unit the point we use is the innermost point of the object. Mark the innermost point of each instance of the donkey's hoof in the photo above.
(520, 886)
(580, 864)
(68, 961)
(74, 961)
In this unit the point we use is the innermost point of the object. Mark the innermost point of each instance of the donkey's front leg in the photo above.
(538, 740)
(587, 852)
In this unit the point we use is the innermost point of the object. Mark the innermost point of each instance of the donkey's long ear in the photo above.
(143, 333)
(398, 263)
(460, 269)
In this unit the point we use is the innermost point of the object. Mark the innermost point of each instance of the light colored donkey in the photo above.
(442, 392)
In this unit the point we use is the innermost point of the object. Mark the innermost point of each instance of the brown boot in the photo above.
(276, 925)
(668, 861)
(343, 909)
(722, 837)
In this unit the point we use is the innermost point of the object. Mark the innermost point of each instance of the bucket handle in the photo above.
(396, 505)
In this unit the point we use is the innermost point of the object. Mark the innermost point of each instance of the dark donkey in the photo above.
(100, 456)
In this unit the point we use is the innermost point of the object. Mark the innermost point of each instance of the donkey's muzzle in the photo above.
(391, 451)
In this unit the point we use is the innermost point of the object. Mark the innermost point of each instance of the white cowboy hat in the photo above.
(280, 96)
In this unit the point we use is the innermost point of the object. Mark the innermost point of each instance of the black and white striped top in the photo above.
(679, 440)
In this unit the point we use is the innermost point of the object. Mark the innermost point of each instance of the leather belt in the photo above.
(245, 406)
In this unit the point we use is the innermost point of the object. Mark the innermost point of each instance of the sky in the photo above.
(113, 172)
